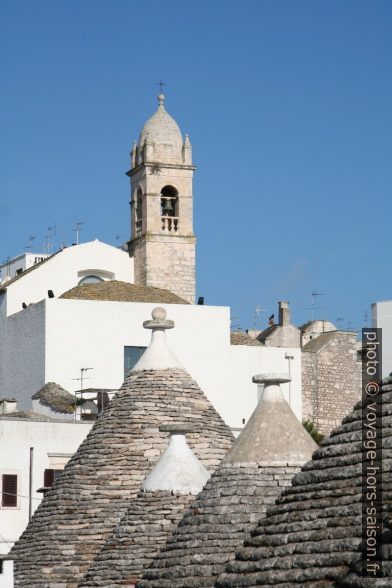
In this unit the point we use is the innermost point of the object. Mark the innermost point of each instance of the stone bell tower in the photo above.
(162, 239)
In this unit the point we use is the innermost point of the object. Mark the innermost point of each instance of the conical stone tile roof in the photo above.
(88, 500)
(151, 517)
(235, 497)
(312, 535)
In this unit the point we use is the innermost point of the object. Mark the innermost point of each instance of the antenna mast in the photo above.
(78, 229)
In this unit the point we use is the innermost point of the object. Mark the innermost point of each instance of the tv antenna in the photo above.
(30, 242)
(49, 237)
(313, 306)
(81, 380)
(339, 321)
(77, 230)
(7, 268)
(258, 312)
(365, 317)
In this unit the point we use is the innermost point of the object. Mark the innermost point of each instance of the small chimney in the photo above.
(8, 405)
(284, 314)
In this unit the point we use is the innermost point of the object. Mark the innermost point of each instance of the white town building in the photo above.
(382, 319)
(33, 451)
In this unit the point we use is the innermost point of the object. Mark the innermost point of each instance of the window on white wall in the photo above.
(90, 280)
(131, 357)
(50, 476)
(9, 490)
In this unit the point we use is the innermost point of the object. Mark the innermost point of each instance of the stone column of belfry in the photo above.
(162, 240)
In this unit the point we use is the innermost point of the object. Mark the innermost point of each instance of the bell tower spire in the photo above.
(162, 239)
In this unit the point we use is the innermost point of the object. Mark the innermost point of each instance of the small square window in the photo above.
(9, 491)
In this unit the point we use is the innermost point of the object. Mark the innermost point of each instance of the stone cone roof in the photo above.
(88, 500)
(312, 535)
(150, 518)
(56, 398)
(272, 434)
(234, 498)
(135, 541)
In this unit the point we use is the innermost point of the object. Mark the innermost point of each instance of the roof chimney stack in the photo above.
(8, 405)
(284, 314)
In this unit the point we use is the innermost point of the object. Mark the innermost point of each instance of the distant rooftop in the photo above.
(56, 398)
(241, 338)
(122, 292)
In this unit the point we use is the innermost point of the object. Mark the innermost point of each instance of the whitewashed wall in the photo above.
(75, 334)
(64, 271)
(93, 334)
(16, 438)
(382, 319)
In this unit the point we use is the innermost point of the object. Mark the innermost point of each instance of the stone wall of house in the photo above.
(331, 380)
(284, 336)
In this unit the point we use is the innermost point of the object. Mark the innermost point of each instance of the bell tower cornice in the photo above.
(154, 164)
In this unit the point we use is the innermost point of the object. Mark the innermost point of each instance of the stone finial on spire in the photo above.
(158, 355)
(161, 99)
(159, 320)
(178, 469)
(273, 433)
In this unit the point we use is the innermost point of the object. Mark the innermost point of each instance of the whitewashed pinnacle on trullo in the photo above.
(273, 434)
(178, 470)
(158, 355)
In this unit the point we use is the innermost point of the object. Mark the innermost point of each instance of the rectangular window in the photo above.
(50, 476)
(9, 490)
(131, 357)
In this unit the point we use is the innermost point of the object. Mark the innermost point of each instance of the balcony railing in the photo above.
(169, 224)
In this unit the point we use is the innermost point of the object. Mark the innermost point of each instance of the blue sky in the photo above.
(288, 107)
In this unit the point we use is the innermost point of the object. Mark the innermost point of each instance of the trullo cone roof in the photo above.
(151, 517)
(235, 497)
(311, 537)
(88, 500)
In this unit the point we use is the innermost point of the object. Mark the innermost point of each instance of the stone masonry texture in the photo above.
(229, 506)
(331, 379)
(144, 529)
(312, 536)
(88, 500)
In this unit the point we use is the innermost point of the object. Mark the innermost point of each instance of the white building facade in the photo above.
(53, 340)
(382, 319)
(30, 450)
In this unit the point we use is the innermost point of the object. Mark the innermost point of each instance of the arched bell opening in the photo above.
(139, 211)
(169, 209)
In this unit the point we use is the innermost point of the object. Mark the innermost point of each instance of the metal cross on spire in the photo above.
(161, 84)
